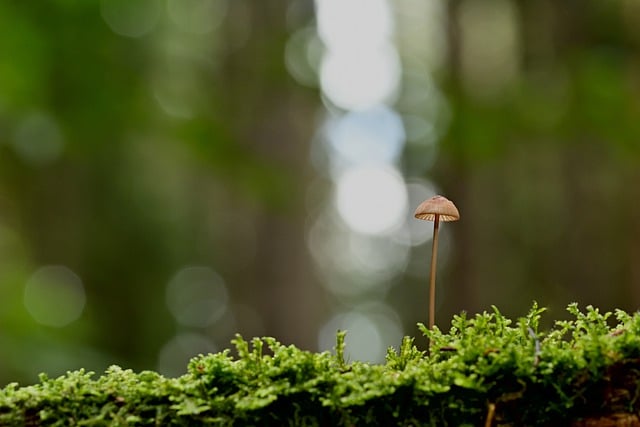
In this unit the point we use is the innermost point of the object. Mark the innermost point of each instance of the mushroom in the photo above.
(435, 209)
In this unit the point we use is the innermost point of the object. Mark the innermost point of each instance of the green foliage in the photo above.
(485, 369)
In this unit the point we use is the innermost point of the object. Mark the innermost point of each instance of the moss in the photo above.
(486, 370)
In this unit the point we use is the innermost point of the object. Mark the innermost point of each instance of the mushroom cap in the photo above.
(437, 205)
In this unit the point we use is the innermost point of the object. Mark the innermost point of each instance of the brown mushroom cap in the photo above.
(437, 205)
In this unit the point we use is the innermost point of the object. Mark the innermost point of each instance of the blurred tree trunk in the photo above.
(273, 117)
(538, 192)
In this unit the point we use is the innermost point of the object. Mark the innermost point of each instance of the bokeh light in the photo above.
(361, 78)
(353, 23)
(54, 296)
(182, 63)
(176, 353)
(371, 329)
(490, 45)
(302, 56)
(371, 200)
(356, 246)
(355, 264)
(197, 296)
(417, 232)
(379, 258)
(131, 18)
(197, 16)
(172, 94)
(372, 136)
(424, 20)
(37, 139)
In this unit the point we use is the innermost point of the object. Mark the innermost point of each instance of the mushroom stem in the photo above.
(432, 277)
(431, 210)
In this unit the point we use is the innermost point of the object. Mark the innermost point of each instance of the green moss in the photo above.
(486, 370)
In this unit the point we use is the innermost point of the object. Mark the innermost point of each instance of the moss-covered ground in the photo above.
(487, 370)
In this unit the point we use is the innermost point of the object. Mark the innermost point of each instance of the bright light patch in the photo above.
(54, 296)
(360, 78)
(353, 22)
(197, 296)
(371, 200)
(353, 263)
(375, 135)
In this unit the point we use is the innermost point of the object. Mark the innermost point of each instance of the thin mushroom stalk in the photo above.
(432, 274)
(436, 209)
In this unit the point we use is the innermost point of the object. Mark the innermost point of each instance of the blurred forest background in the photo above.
(175, 171)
